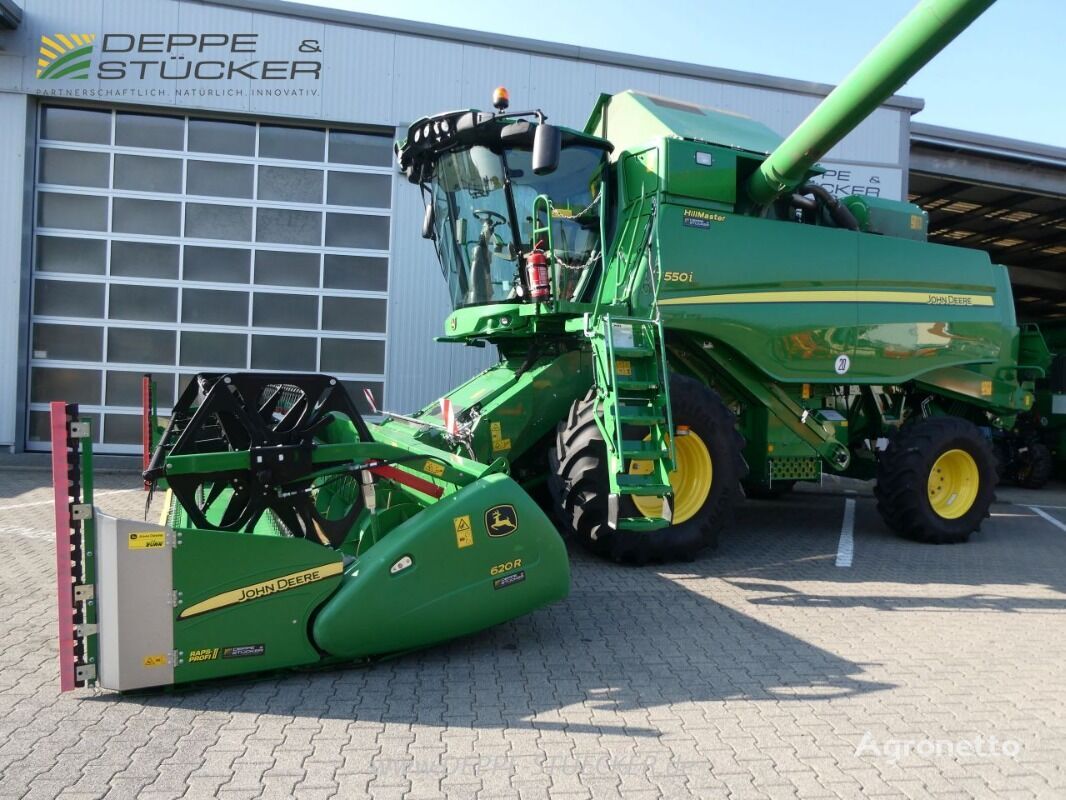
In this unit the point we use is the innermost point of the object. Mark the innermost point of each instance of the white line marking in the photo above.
(1060, 525)
(51, 502)
(1042, 506)
(846, 548)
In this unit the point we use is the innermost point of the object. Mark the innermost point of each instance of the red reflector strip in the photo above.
(146, 424)
(407, 479)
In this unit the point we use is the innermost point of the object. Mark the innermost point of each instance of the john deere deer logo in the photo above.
(65, 55)
(501, 520)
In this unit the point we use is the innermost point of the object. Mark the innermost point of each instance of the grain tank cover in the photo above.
(631, 118)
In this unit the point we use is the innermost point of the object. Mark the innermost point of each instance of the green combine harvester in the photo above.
(680, 315)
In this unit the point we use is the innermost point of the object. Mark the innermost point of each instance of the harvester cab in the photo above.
(678, 311)
(506, 195)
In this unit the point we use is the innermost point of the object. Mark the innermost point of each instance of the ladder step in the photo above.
(636, 415)
(633, 352)
(642, 523)
(642, 485)
(649, 450)
(628, 385)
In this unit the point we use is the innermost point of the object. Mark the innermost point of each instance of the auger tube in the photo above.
(919, 36)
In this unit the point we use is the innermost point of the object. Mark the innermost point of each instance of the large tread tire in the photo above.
(903, 474)
(578, 480)
(1035, 467)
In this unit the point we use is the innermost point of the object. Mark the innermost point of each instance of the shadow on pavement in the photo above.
(626, 642)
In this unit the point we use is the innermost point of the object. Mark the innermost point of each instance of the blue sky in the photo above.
(1006, 74)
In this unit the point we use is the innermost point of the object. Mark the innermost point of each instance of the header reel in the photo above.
(240, 446)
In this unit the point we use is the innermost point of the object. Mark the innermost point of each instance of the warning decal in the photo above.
(499, 444)
(464, 534)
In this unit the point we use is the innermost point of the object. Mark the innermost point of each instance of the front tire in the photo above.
(579, 483)
(936, 480)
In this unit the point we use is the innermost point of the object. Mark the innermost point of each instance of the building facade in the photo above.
(208, 186)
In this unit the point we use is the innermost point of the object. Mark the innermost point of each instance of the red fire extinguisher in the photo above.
(537, 275)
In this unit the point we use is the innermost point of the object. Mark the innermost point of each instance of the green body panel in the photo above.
(790, 305)
(450, 590)
(518, 407)
(889, 217)
(700, 171)
(207, 564)
(629, 117)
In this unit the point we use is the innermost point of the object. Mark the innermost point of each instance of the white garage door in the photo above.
(173, 245)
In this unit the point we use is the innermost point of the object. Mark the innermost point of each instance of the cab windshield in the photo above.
(475, 233)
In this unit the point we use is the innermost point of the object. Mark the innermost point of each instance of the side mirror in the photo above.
(428, 221)
(547, 144)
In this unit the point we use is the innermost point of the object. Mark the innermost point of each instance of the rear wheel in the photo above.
(706, 480)
(1035, 466)
(935, 481)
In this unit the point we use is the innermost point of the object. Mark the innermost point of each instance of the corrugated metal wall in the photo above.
(375, 77)
(12, 184)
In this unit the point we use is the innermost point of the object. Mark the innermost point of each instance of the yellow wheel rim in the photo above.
(953, 484)
(690, 479)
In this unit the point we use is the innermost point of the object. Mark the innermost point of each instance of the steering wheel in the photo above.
(488, 216)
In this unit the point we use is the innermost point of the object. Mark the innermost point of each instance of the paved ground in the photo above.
(764, 670)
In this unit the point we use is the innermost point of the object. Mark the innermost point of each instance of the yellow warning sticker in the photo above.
(464, 534)
(986, 388)
(623, 368)
(433, 468)
(147, 540)
(498, 442)
(916, 222)
(156, 660)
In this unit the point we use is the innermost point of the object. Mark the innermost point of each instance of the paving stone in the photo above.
(761, 670)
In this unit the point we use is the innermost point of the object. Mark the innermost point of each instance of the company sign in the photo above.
(843, 179)
(189, 59)
(65, 55)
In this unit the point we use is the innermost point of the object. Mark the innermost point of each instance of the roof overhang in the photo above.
(10, 15)
(1004, 196)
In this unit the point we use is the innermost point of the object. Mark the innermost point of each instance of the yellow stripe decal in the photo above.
(835, 296)
(293, 580)
(164, 514)
(65, 40)
(52, 44)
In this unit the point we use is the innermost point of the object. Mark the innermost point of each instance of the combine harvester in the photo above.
(677, 310)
